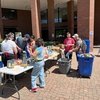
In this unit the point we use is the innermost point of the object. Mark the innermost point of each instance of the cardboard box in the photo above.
(57, 49)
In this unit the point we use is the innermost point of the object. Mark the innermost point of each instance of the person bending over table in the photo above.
(8, 48)
(38, 70)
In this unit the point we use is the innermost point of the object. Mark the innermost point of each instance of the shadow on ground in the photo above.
(97, 55)
(73, 73)
(49, 64)
(22, 81)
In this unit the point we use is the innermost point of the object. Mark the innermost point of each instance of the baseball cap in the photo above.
(27, 36)
(75, 35)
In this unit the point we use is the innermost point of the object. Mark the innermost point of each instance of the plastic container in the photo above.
(1, 63)
(85, 65)
(64, 65)
(9, 63)
(88, 45)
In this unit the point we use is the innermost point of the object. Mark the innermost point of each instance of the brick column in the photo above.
(35, 14)
(1, 23)
(86, 20)
(51, 25)
(70, 16)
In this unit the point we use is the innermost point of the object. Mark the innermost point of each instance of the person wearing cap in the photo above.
(78, 44)
(38, 70)
(22, 43)
(69, 44)
(8, 48)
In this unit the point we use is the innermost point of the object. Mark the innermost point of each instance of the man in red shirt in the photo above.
(69, 44)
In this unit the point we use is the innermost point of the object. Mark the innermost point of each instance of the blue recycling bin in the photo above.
(1, 63)
(85, 65)
(88, 45)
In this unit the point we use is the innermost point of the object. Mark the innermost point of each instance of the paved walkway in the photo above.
(60, 86)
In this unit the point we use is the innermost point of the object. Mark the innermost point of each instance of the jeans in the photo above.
(38, 71)
(77, 59)
(70, 55)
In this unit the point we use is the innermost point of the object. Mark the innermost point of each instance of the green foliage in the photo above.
(1, 40)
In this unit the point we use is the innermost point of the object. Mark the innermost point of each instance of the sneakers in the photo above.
(42, 86)
(34, 90)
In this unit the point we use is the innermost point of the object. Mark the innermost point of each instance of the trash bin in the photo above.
(88, 45)
(1, 63)
(64, 65)
(85, 65)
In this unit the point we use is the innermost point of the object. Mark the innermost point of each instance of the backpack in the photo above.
(83, 46)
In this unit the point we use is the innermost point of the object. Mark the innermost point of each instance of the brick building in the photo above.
(51, 19)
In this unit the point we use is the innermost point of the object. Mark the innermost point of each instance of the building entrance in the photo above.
(45, 35)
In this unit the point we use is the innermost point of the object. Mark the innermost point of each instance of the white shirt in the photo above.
(7, 46)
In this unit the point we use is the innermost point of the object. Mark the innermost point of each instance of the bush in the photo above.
(1, 40)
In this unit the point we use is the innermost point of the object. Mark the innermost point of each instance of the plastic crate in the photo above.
(85, 65)
(64, 65)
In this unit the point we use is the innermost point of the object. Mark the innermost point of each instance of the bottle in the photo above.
(24, 63)
(62, 53)
(9, 63)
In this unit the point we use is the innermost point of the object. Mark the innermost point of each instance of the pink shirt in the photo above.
(68, 41)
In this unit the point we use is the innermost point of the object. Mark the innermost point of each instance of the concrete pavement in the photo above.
(60, 86)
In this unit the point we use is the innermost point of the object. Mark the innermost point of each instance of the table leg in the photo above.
(5, 81)
(15, 87)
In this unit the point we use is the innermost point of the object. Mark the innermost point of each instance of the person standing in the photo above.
(22, 43)
(69, 44)
(32, 43)
(77, 47)
(38, 70)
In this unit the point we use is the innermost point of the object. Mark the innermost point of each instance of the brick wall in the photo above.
(35, 16)
(86, 20)
(23, 23)
(1, 24)
(70, 13)
(51, 25)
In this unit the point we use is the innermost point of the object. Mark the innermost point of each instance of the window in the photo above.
(44, 16)
(75, 15)
(9, 14)
(60, 33)
(60, 15)
(56, 16)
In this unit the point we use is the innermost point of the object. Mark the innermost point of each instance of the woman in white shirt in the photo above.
(8, 48)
